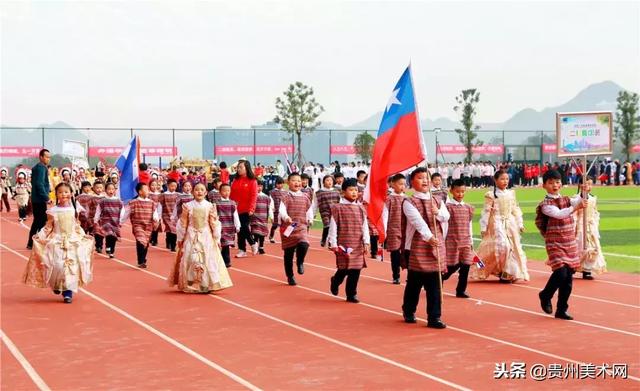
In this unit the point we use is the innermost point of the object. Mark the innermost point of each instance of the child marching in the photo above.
(500, 226)
(325, 198)
(276, 195)
(98, 191)
(21, 194)
(155, 195)
(426, 250)
(144, 216)
(459, 238)
(107, 219)
(591, 259)
(199, 267)
(348, 239)
(556, 224)
(61, 256)
(392, 219)
(296, 215)
(260, 217)
(168, 202)
(85, 199)
(229, 221)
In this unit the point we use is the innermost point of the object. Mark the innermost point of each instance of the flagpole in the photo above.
(424, 153)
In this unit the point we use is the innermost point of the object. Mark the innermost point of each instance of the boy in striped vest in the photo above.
(557, 226)
(427, 256)
(276, 195)
(145, 217)
(459, 240)
(168, 203)
(361, 176)
(214, 194)
(325, 198)
(107, 219)
(260, 217)
(296, 216)
(338, 177)
(436, 188)
(84, 200)
(155, 195)
(392, 219)
(306, 189)
(229, 222)
(98, 190)
(348, 239)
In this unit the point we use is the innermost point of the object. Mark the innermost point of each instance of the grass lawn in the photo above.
(619, 223)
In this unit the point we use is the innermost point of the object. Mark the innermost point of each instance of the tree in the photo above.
(298, 112)
(627, 120)
(363, 144)
(466, 107)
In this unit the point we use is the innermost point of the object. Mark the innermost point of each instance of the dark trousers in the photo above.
(154, 238)
(300, 251)
(373, 239)
(141, 252)
(396, 257)
(561, 280)
(259, 239)
(463, 275)
(415, 282)
(325, 234)
(245, 232)
(352, 275)
(226, 256)
(171, 240)
(111, 244)
(22, 212)
(5, 201)
(99, 241)
(39, 219)
(274, 226)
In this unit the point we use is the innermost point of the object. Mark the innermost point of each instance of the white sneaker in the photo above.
(241, 254)
(254, 248)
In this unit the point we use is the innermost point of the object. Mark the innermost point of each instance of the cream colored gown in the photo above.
(62, 254)
(592, 259)
(199, 267)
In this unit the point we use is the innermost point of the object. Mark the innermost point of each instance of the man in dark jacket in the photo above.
(39, 194)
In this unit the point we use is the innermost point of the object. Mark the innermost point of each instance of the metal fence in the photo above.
(160, 146)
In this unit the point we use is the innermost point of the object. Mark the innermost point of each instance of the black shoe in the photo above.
(546, 305)
(271, 240)
(111, 255)
(396, 281)
(142, 266)
(228, 265)
(173, 249)
(57, 291)
(67, 299)
(445, 276)
(436, 324)
(29, 247)
(587, 276)
(409, 318)
(505, 281)
(564, 315)
(261, 251)
(353, 299)
(291, 281)
(334, 287)
(322, 244)
(99, 250)
(301, 268)
(462, 295)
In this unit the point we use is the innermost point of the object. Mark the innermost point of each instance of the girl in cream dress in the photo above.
(199, 267)
(592, 259)
(62, 252)
(500, 225)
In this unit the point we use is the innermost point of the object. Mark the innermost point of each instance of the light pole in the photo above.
(436, 131)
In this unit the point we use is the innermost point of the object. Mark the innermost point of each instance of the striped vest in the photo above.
(297, 207)
(213, 196)
(84, 200)
(325, 198)
(423, 256)
(308, 191)
(349, 219)
(109, 224)
(459, 243)
(260, 215)
(141, 216)
(168, 202)
(276, 195)
(226, 209)
(183, 198)
(560, 235)
(394, 222)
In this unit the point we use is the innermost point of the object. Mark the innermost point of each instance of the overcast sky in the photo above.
(184, 64)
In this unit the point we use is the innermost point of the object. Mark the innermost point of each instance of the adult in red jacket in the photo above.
(244, 191)
(143, 174)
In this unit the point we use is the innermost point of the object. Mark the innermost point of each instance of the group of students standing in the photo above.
(428, 233)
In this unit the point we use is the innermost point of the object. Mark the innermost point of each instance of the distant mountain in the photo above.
(600, 96)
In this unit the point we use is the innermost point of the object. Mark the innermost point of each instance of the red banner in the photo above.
(635, 149)
(147, 151)
(249, 149)
(549, 148)
(343, 150)
(457, 149)
(19, 151)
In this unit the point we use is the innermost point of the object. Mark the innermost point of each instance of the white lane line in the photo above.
(491, 303)
(163, 336)
(315, 334)
(595, 280)
(24, 362)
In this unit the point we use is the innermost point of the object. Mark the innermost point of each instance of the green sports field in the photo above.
(619, 223)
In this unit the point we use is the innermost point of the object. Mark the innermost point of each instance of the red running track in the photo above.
(128, 329)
